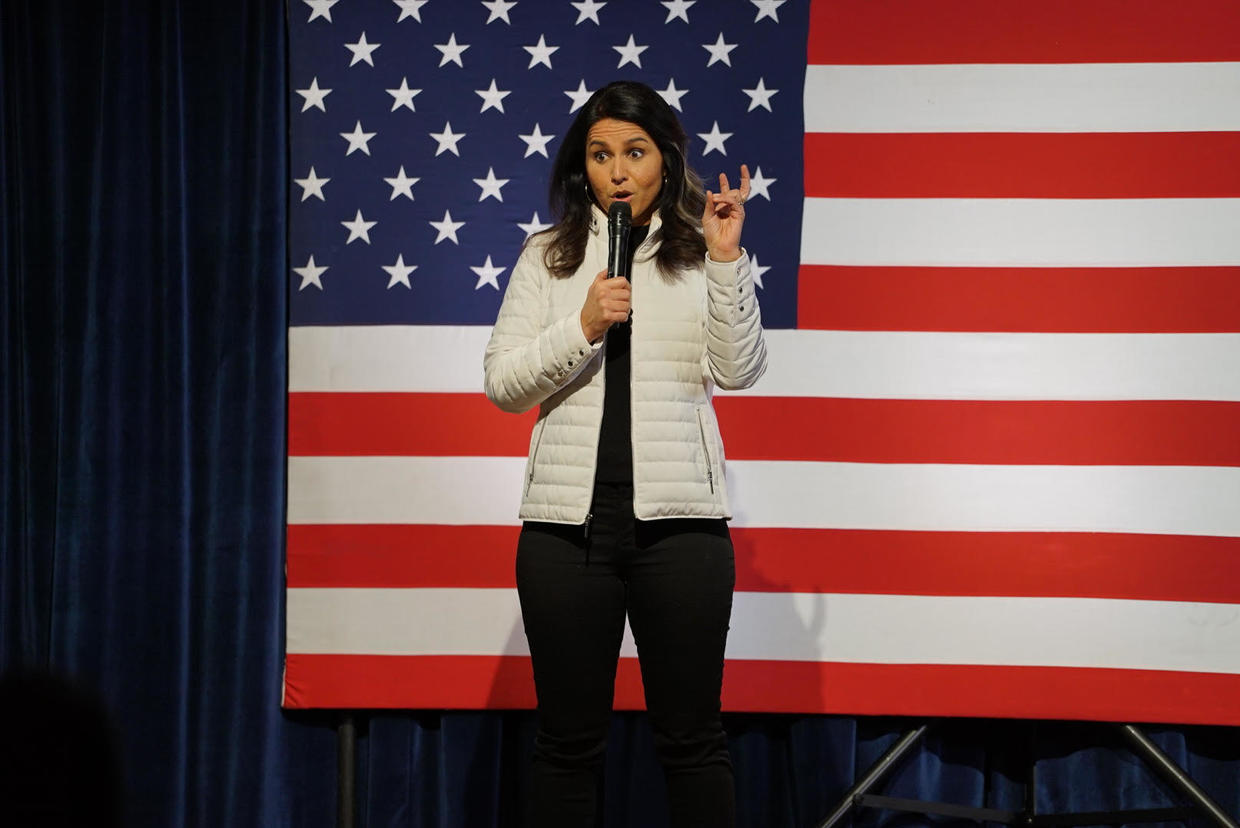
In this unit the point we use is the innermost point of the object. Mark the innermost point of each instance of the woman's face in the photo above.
(623, 164)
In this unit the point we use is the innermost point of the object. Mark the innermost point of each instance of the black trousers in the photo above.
(674, 578)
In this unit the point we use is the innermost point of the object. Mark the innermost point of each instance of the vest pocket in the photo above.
(710, 472)
(537, 441)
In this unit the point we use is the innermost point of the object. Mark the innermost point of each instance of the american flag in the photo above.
(994, 467)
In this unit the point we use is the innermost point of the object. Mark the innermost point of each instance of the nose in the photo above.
(618, 171)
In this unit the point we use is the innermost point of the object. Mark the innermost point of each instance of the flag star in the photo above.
(499, 10)
(399, 272)
(719, 51)
(678, 8)
(448, 140)
(767, 8)
(760, 186)
(410, 8)
(672, 95)
(534, 226)
(403, 96)
(402, 184)
(323, 9)
(630, 53)
(540, 53)
(491, 185)
(714, 140)
(357, 139)
(488, 274)
(451, 51)
(756, 270)
(492, 98)
(447, 228)
(314, 95)
(359, 228)
(362, 50)
(588, 9)
(311, 185)
(579, 96)
(759, 96)
(310, 274)
(536, 142)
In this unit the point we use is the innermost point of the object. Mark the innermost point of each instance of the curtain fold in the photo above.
(143, 314)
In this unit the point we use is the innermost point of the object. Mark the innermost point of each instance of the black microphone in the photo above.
(619, 223)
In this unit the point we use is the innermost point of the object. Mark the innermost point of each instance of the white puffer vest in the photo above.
(690, 334)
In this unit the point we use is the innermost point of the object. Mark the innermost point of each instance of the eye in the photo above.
(636, 153)
(599, 157)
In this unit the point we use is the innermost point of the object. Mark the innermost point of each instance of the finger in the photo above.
(723, 183)
(601, 275)
(744, 182)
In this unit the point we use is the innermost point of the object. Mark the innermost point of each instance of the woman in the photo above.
(625, 502)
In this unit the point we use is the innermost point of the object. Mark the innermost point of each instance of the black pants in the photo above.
(675, 579)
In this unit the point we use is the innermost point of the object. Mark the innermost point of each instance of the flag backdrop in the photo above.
(994, 468)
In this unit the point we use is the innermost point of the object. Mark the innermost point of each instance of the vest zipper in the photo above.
(710, 475)
(534, 455)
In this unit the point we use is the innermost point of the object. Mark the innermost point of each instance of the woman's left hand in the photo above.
(723, 217)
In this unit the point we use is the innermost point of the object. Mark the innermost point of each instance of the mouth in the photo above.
(621, 195)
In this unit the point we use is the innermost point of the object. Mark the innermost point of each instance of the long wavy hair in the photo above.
(681, 199)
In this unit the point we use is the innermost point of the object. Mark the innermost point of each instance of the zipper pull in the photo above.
(589, 520)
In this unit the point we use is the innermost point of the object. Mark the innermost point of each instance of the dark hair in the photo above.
(681, 199)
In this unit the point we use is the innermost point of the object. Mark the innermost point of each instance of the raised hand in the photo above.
(723, 217)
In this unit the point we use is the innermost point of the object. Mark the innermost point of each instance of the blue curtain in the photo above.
(143, 312)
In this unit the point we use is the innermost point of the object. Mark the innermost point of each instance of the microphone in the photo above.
(619, 223)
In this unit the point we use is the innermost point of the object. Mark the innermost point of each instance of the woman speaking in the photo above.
(625, 502)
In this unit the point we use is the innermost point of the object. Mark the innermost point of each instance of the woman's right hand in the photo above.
(607, 302)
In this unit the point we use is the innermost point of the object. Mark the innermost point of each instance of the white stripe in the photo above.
(1021, 232)
(866, 364)
(1082, 97)
(884, 629)
(1187, 500)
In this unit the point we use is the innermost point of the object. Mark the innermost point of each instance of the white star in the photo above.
(448, 139)
(311, 185)
(767, 8)
(630, 53)
(672, 95)
(759, 96)
(487, 274)
(491, 185)
(362, 50)
(402, 184)
(719, 51)
(714, 139)
(310, 274)
(323, 9)
(447, 228)
(451, 51)
(756, 270)
(534, 226)
(492, 98)
(579, 96)
(499, 10)
(359, 228)
(314, 95)
(678, 8)
(759, 186)
(399, 272)
(536, 142)
(357, 139)
(589, 9)
(403, 96)
(540, 53)
(410, 8)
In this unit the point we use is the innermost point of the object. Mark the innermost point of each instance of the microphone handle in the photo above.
(617, 250)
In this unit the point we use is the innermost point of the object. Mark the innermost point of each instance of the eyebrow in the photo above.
(632, 140)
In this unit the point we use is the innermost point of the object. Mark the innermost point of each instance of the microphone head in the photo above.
(620, 214)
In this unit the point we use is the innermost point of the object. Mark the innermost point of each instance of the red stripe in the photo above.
(498, 682)
(1108, 432)
(1049, 300)
(1023, 165)
(1012, 31)
(1035, 564)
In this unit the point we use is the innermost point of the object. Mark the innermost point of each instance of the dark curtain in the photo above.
(142, 315)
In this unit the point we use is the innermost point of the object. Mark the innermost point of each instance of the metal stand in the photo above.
(1199, 802)
(346, 770)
